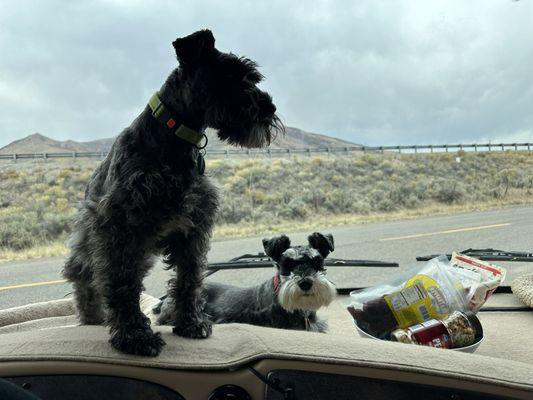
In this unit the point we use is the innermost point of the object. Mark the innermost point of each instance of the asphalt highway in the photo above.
(23, 282)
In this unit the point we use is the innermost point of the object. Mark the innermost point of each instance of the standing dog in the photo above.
(149, 196)
(288, 301)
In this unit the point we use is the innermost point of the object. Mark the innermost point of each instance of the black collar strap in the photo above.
(161, 113)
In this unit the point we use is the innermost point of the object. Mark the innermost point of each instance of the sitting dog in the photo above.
(288, 301)
(149, 196)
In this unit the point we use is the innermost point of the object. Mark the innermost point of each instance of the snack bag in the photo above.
(425, 293)
(479, 278)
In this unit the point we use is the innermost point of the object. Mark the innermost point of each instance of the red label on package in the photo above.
(431, 333)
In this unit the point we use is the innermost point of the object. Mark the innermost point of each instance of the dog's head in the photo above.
(223, 87)
(304, 285)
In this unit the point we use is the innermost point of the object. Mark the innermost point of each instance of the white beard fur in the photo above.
(321, 294)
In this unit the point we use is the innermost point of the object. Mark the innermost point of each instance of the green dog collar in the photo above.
(161, 113)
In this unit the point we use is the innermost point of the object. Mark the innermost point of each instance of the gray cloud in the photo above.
(375, 72)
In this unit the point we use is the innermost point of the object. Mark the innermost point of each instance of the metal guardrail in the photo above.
(218, 153)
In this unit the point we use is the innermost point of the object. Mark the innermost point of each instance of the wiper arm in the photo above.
(261, 260)
(489, 255)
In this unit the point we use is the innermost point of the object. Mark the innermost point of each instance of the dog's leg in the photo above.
(189, 259)
(186, 252)
(317, 324)
(322, 326)
(87, 299)
(122, 270)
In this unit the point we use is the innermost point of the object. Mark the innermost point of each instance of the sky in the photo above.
(369, 71)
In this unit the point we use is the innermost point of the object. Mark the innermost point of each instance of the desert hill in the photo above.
(38, 143)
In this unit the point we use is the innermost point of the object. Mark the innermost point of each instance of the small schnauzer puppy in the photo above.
(288, 301)
(149, 196)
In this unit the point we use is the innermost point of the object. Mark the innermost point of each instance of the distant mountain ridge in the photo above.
(37, 143)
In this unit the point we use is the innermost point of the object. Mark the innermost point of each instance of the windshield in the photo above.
(401, 130)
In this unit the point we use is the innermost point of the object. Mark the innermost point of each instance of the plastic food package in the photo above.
(430, 291)
(479, 278)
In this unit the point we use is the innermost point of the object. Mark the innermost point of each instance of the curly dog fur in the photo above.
(149, 197)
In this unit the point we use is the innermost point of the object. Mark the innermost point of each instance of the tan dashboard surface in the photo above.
(232, 346)
(45, 339)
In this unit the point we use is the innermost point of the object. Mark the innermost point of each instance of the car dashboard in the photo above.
(246, 362)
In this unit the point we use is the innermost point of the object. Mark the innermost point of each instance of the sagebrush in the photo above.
(38, 200)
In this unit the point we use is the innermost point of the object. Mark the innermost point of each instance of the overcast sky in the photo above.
(373, 72)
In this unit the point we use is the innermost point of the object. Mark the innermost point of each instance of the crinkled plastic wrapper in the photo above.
(423, 293)
(479, 278)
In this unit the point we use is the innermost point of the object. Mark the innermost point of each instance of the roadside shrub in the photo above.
(37, 201)
(18, 231)
(296, 209)
(450, 192)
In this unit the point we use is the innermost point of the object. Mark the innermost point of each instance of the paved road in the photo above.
(22, 282)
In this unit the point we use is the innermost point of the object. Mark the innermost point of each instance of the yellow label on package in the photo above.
(420, 299)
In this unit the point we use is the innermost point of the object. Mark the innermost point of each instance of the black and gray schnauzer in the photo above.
(289, 301)
(149, 196)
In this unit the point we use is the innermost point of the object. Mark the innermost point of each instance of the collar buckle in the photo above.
(164, 116)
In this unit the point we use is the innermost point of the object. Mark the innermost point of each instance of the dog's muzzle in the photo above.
(306, 294)
(305, 284)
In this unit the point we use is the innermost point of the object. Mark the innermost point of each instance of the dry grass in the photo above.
(264, 196)
(52, 249)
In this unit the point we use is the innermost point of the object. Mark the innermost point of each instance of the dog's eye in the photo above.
(318, 263)
(286, 266)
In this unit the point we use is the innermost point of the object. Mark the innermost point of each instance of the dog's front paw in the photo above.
(92, 320)
(198, 328)
(140, 342)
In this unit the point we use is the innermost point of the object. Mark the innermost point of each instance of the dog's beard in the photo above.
(260, 134)
(321, 294)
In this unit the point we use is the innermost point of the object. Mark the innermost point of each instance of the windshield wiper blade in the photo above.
(261, 260)
(489, 255)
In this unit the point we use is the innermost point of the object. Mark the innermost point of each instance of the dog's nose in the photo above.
(305, 284)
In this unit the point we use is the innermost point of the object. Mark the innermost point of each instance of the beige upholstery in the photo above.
(52, 314)
(522, 287)
(234, 345)
(31, 312)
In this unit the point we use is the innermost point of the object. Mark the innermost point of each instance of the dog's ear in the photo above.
(194, 48)
(275, 247)
(323, 243)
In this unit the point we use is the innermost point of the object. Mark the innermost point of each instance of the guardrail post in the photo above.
(475, 148)
(416, 149)
(490, 147)
(15, 157)
(399, 150)
(431, 148)
(289, 152)
(515, 147)
(309, 151)
(101, 155)
(73, 154)
(327, 150)
(446, 148)
(529, 148)
(503, 147)
(45, 157)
